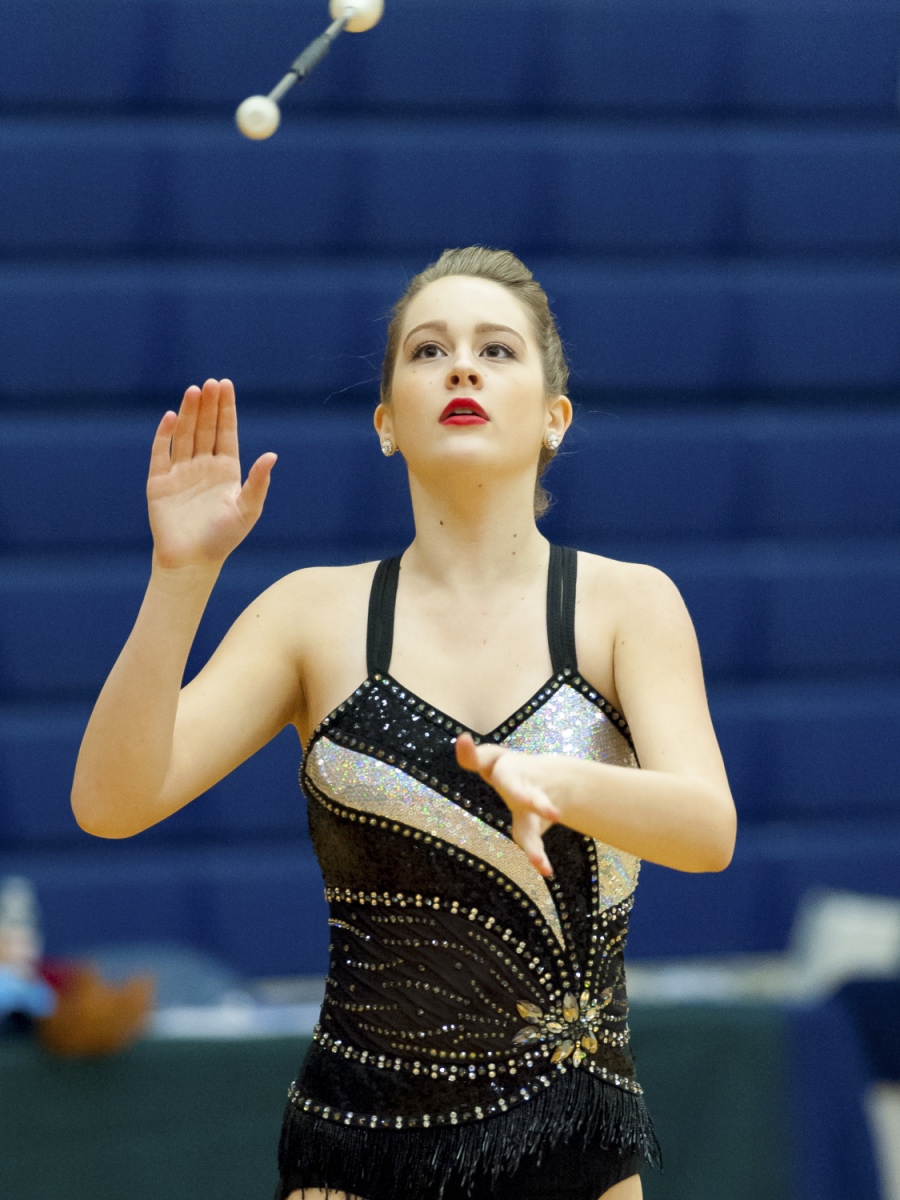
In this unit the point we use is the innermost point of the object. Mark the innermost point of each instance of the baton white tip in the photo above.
(366, 13)
(258, 117)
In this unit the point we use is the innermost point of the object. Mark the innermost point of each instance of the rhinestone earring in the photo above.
(387, 447)
(552, 440)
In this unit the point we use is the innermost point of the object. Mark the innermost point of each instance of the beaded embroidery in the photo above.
(366, 785)
(421, 1075)
(432, 975)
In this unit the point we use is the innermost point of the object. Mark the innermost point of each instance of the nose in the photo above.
(462, 372)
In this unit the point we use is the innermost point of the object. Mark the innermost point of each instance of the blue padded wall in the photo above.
(147, 327)
(708, 56)
(710, 192)
(329, 184)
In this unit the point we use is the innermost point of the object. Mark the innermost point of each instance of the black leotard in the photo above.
(475, 1015)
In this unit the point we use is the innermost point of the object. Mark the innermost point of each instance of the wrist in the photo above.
(185, 579)
(561, 784)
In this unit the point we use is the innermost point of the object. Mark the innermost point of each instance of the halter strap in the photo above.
(380, 630)
(561, 581)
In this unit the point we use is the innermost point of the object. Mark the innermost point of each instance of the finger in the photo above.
(253, 493)
(515, 789)
(476, 758)
(538, 802)
(541, 805)
(226, 426)
(183, 436)
(207, 418)
(526, 834)
(160, 451)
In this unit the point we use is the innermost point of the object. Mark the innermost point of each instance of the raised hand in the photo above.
(199, 512)
(519, 780)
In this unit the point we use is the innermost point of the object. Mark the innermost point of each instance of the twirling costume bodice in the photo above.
(472, 1006)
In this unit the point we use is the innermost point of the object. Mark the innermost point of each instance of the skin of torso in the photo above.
(476, 660)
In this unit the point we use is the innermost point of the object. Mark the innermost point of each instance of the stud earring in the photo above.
(552, 440)
(387, 447)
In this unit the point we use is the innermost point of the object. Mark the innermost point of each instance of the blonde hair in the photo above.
(499, 266)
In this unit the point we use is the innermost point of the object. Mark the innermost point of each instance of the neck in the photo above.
(482, 532)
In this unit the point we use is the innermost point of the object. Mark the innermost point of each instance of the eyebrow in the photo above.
(484, 327)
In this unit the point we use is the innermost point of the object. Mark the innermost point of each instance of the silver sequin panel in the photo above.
(570, 724)
(371, 786)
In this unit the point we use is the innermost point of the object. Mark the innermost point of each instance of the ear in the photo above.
(559, 415)
(381, 419)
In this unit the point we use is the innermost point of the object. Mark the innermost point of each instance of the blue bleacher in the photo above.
(718, 56)
(317, 328)
(710, 192)
(329, 185)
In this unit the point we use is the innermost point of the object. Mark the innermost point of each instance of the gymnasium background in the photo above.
(709, 190)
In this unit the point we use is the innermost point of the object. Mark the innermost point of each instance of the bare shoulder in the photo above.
(631, 596)
(320, 617)
(311, 597)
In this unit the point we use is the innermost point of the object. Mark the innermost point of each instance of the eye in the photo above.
(417, 353)
(498, 346)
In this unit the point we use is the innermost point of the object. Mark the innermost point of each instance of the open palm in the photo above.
(198, 509)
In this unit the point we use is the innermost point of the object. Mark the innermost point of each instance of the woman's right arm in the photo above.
(150, 746)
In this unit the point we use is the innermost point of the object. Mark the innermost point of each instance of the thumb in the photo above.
(476, 758)
(253, 493)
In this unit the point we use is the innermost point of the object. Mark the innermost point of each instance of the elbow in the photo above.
(99, 820)
(720, 849)
(85, 819)
(91, 823)
(720, 858)
(710, 847)
(708, 861)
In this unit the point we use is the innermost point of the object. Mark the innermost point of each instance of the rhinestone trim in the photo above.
(523, 1092)
(367, 785)
(569, 723)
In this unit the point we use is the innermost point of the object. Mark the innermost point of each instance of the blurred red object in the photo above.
(59, 973)
(94, 1017)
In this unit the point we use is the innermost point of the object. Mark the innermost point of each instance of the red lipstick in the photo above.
(463, 411)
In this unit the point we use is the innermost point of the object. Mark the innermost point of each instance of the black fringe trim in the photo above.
(399, 1164)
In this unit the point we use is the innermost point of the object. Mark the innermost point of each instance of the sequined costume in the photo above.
(475, 1014)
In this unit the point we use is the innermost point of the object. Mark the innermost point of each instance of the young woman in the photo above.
(471, 776)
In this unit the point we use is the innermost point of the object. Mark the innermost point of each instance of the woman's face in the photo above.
(469, 340)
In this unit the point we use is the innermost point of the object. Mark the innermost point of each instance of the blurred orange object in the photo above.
(94, 1017)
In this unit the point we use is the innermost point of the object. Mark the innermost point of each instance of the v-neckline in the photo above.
(560, 622)
(514, 719)
(506, 728)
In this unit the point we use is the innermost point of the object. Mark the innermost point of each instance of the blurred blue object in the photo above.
(33, 998)
(874, 1007)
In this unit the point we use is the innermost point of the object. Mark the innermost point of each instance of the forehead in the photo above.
(462, 301)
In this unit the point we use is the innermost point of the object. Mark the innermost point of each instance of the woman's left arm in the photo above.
(677, 810)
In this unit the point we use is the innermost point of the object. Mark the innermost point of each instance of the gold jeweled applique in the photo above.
(570, 1030)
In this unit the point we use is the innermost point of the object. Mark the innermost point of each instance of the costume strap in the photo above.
(561, 581)
(380, 630)
(561, 585)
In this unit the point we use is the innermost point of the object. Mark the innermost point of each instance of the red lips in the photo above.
(463, 411)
